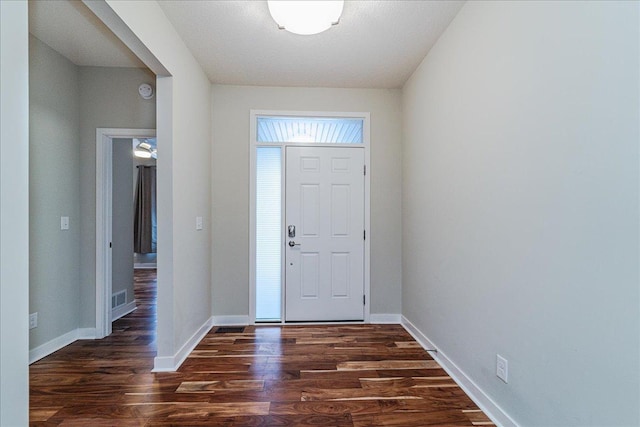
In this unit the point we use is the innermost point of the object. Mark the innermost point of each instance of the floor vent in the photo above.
(229, 330)
(118, 299)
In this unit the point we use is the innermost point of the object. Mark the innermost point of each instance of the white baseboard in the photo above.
(484, 402)
(145, 266)
(230, 320)
(123, 310)
(385, 318)
(86, 333)
(172, 363)
(59, 342)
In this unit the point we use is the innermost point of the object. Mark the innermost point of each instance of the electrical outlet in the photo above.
(33, 320)
(502, 368)
(64, 223)
(198, 223)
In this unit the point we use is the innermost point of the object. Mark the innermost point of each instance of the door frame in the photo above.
(253, 144)
(104, 214)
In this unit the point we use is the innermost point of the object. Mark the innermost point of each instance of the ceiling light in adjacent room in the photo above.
(305, 17)
(145, 154)
(145, 151)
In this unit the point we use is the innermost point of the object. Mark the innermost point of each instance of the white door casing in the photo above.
(104, 176)
(324, 199)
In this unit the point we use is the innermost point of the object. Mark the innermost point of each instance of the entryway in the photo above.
(309, 215)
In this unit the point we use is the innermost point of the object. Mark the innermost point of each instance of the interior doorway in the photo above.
(105, 139)
(145, 235)
(134, 230)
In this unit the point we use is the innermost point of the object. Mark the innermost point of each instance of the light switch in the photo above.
(64, 223)
(198, 223)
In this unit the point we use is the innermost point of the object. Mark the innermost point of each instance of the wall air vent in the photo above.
(118, 299)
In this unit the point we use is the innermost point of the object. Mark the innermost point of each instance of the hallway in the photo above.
(346, 375)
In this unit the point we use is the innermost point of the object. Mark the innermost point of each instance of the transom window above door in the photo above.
(317, 130)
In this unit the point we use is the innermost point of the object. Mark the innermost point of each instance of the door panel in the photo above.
(340, 275)
(340, 196)
(309, 267)
(324, 198)
(310, 207)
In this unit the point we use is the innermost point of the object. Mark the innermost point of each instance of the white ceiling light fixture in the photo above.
(305, 17)
(145, 151)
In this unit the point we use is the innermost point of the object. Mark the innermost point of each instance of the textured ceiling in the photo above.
(378, 44)
(71, 29)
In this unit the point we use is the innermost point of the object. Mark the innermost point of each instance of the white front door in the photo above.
(324, 234)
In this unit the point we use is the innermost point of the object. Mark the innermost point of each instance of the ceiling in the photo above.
(378, 44)
(71, 29)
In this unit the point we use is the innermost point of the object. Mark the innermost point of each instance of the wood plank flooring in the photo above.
(347, 375)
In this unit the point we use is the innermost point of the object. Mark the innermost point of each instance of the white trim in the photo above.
(123, 310)
(164, 364)
(385, 318)
(230, 320)
(480, 398)
(252, 218)
(86, 333)
(366, 144)
(57, 343)
(311, 323)
(104, 173)
(172, 363)
(367, 214)
(145, 266)
(52, 346)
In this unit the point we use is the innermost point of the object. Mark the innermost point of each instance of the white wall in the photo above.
(54, 191)
(520, 207)
(231, 107)
(184, 170)
(67, 104)
(108, 99)
(14, 214)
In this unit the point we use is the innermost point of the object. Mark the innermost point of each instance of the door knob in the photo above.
(292, 243)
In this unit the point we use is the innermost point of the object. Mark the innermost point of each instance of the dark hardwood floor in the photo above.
(347, 375)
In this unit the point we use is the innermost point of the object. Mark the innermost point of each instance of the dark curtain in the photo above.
(144, 222)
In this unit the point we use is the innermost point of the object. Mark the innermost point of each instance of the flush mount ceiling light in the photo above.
(305, 17)
(145, 151)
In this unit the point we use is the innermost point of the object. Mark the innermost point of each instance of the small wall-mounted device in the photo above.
(146, 91)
